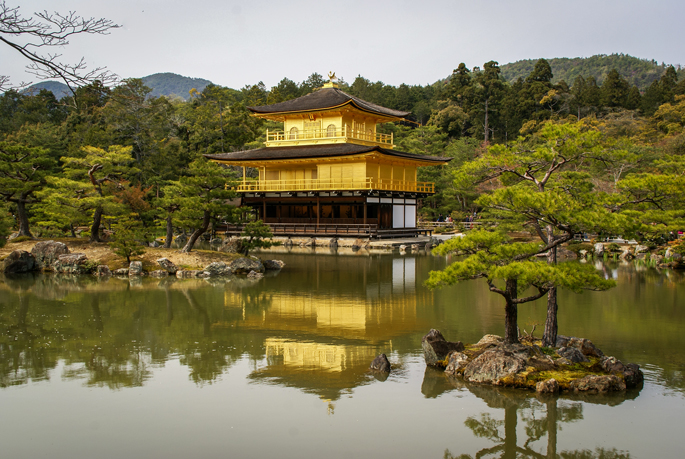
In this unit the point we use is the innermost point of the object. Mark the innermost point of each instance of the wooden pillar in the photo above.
(318, 210)
(278, 212)
(365, 211)
(263, 210)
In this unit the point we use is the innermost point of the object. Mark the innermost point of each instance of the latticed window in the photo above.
(330, 130)
(293, 133)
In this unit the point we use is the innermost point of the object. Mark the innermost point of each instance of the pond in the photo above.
(277, 367)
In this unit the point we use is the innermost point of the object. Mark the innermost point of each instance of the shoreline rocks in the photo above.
(574, 365)
(19, 262)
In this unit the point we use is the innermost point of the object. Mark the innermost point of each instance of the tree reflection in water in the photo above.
(541, 416)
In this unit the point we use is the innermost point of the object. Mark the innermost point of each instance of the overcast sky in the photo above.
(234, 43)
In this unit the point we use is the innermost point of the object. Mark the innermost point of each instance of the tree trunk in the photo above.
(169, 233)
(510, 422)
(197, 233)
(95, 228)
(23, 218)
(511, 332)
(552, 428)
(549, 337)
(487, 127)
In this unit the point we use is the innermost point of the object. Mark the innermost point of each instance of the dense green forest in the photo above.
(638, 72)
(107, 157)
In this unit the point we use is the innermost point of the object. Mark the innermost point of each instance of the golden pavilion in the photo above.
(330, 172)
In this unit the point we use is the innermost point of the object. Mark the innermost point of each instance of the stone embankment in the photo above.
(51, 256)
(574, 364)
(661, 257)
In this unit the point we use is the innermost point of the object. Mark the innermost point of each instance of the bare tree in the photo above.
(34, 36)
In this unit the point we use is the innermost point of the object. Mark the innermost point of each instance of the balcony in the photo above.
(368, 183)
(326, 136)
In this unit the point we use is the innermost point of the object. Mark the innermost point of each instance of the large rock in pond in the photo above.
(595, 383)
(584, 345)
(255, 275)
(245, 265)
(381, 364)
(456, 362)
(103, 271)
(548, 386)
(167, 265)
(489, 341)
(19, 261)
(73, 263)
(47, 253)
(218, 268)
(632, 376)
(572, 354)
(135, 268)
(273, 265)
(494, 364)
(436, 348)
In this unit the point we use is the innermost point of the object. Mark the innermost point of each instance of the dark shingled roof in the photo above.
(322, 99)
(317, 151)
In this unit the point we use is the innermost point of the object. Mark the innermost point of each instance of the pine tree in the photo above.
(23, 172)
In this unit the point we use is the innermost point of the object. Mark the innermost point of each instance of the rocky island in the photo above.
(574, 364)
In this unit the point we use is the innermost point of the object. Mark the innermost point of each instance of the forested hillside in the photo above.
(638, 72)
(171, 84)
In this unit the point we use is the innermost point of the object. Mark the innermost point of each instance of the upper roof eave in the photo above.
(318, 151)
(325, 99)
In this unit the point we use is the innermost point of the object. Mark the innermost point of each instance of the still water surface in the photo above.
(278, 367)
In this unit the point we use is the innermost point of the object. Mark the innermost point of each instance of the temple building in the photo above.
(330, 171)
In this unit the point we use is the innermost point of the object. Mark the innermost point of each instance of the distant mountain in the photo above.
(639, 72)
(58, 89)
(162, 84)
(171, 84)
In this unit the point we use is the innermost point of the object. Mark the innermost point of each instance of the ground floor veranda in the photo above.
(336, 214)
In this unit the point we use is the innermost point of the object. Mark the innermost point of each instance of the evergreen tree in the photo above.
(509, 271)
(23, 172)
(256, 235)
(544, 193)
(86, 192)
(6, 223)
(130, 237)
(615, 90)
(203, 198)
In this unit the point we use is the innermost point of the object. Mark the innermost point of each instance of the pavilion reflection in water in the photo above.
(322, 341)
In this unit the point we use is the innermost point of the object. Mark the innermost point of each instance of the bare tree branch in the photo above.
(48, 30)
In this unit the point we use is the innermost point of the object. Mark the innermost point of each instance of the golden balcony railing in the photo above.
(326, 135)
(250, 186)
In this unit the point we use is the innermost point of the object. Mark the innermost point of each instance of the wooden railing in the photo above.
(332, 229)
(367, 183)
(313, 228)
(274, 138)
